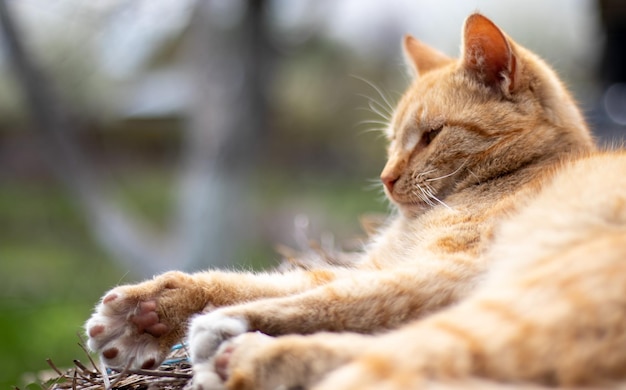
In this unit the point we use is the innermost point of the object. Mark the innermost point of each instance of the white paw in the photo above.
(125, 332)
(205, 377)
(208, 331)
(214, 372)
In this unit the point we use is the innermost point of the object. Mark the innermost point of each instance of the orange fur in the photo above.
(504, 266)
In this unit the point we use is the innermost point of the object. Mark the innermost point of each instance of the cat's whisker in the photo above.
(418, 195)
(372, 108)
(419, 175)
(425, 197)
(382, 132)
(473, 174)
(373, 126)
(449, 174)
(385, 109)
(433, 197)
(374, 186)
(378, 90)
(373, 121)
(415, 193)
(375, 107)
(374, 111)
(430, 191)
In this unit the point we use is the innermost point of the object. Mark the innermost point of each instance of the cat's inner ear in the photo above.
(488, 54)
(422, 58)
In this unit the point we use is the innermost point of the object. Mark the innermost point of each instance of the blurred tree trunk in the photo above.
(119, 233)
(226, 56)
(223, 130)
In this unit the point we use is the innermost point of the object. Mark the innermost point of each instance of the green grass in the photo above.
(51, 273)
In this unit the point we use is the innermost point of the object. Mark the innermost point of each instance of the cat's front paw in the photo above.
(125, 331)
(257, 361)
(211, 374)
(135, 326)
(237, 364)
(208, 331)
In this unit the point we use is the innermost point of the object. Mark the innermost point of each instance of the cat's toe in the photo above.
(205, 377)
(147, 320)
(125, 330)
(222, 360)
(215, 373)
(208, 331)
(104, 324)
(120, 354)
(225, 355)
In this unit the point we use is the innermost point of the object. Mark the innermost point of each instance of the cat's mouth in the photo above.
(418, 200)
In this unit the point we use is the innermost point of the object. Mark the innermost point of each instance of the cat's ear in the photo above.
(488, 54)
(422, 58)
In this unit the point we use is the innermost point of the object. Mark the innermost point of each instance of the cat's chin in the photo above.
(412, 209)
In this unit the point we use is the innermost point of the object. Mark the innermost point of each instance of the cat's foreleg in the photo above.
(364, 302)
(137, 324)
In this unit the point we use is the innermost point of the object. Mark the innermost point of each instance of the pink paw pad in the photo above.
(110, 353)
(222, 361)
(94, 331)
(148, 364)
(109, 298)
(147, 320)
(157, 330)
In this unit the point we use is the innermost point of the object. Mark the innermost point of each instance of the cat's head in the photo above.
(467, 121)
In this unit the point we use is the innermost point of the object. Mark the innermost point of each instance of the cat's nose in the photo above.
(389, 180)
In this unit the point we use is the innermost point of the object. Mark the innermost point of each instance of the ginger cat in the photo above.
(504, 266)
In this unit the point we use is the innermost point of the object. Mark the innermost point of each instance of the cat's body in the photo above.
(505, 264)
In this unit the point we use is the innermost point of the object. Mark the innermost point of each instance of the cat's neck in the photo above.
(519, 165)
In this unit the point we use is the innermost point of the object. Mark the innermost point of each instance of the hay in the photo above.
(173, 374)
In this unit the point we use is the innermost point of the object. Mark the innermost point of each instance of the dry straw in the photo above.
(173, 374)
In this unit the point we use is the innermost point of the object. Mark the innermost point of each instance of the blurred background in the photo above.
(139, 136)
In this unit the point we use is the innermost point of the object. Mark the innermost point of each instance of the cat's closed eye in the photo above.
(430, 135)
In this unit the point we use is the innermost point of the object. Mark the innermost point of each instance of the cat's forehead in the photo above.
(426, 104)
(416, 115)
